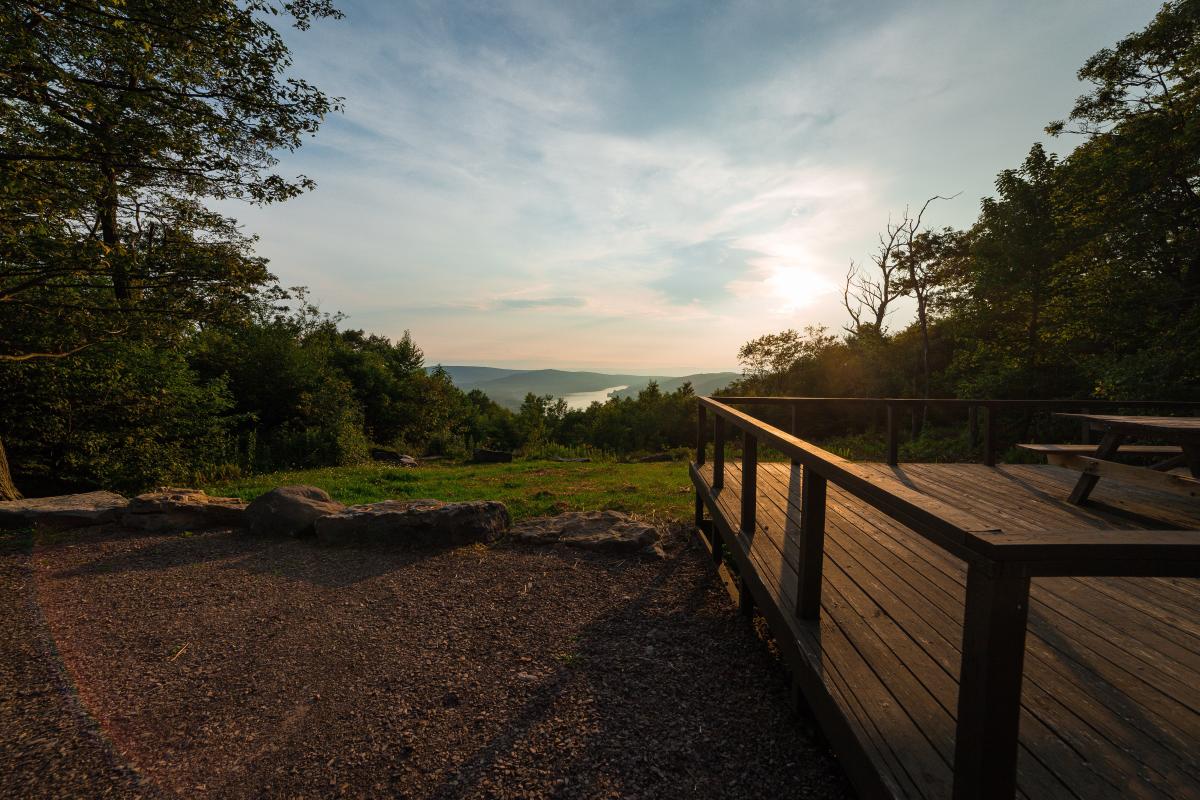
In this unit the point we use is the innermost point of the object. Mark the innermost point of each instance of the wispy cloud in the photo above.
(542, 302)
(656, 181)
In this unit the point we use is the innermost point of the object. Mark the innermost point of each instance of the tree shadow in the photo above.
(678, 692)
(294, 559)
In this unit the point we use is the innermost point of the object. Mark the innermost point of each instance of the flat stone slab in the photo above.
(603, 531)
(171, 509)
(416, 523)
(63, 511)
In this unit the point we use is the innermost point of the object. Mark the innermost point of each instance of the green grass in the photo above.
(528, 488)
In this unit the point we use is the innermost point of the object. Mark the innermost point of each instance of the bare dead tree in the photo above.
(867, 295)
(921, 256)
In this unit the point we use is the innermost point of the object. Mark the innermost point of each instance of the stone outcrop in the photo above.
(415, 523)
(63, 511)
(290, 510)
(392, 457)
(171, 509)
(483, 456)
(604, 531)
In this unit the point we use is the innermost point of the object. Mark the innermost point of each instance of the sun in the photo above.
(794, 288)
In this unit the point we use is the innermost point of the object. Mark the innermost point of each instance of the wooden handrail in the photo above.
(958, 402)
(992, 408)
(1128, 553)
(937, 521)
(999, 565)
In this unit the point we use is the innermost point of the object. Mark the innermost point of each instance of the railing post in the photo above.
(972, 425)
(701, 432)
(749, 481)
(812, 544)
(718, 481)
(990, 424)
(795, 425)
(1085, 429)
(893, 444)
(989, 685)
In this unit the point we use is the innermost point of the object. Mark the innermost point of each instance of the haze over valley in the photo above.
(508, 387)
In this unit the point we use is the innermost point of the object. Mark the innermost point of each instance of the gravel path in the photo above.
(217, 665)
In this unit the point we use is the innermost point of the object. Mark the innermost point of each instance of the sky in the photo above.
(643, 187)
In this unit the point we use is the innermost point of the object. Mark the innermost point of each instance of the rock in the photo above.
(63, 511)
(169, 509)
(393, 457)
(491, 457)
(416, 523)
(653, 458)
(605, 531)
(570, 460)
(290, 510)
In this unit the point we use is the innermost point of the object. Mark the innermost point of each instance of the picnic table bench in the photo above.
(1060, 454)
(1095, 462)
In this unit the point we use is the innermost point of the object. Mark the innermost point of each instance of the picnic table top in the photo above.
(1168, 427)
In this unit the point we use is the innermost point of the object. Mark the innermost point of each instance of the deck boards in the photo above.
(1111, 696)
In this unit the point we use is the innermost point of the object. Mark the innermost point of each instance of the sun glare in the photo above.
(793, 288)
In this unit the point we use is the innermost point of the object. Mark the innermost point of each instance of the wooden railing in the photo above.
(992, 409)
(999, 565)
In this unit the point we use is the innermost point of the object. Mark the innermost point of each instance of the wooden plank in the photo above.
(1126, 450)
(1032, 772)
(1164, 481)
(1142, 507)
(1063, 689)
(1081, 647)
(1035, 774)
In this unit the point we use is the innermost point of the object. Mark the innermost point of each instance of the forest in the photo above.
(143, 342)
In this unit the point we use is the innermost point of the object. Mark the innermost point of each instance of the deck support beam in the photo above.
(745, 598)
(812, 545)
(990, 424)
(893, 443)
(718, 481)
(749, 483)
(795, 431)
(989, 693)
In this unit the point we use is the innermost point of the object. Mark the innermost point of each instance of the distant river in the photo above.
(585, 399)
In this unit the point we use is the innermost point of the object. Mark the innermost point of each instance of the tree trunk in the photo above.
(8, 490)
(109, 199)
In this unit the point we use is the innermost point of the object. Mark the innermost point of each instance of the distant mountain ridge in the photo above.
(508, 387)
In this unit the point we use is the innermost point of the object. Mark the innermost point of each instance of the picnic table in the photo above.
(1116, 431)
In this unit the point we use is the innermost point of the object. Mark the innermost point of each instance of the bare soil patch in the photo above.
(223, 665)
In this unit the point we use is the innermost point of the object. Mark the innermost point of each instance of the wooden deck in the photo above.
(1110, 702)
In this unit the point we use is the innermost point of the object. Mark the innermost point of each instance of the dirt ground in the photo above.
(221, 665)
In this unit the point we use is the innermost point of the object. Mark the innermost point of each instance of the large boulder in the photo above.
(604, 531)
(484, 456)
(393, 457)
(63, 511)
(290, 510)
(170, 509)
(415, 523)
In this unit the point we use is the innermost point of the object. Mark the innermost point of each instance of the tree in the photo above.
(868, 299)
(925, 263)
(117, 123)
(1130, 197)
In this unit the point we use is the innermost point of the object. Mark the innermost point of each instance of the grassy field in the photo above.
(528, 488)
